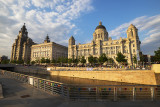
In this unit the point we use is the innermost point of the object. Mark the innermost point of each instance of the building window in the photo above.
(133, 45)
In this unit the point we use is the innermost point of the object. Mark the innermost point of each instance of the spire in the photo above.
(100, 23)
(131, 26)
(47, 39)
(72, 38)
(71, 41)
(24, 30)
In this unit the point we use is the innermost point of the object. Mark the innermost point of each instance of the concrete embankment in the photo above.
(148, 77)
(134, 76)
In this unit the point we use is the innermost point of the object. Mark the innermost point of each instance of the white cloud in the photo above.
(42, 17)
(149, 32)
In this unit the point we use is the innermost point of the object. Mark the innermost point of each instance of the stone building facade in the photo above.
(21, 49)
(102, 43)
(48, 50)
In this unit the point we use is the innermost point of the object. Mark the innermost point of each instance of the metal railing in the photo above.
(49, 86)
(96, 93)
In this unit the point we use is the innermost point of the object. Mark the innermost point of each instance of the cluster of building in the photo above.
(25, 49)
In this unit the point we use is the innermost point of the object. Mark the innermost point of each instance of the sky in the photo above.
(61, 19)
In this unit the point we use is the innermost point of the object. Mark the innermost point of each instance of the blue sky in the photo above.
(63, 18)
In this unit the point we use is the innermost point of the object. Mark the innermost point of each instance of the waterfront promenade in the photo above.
(18, 94)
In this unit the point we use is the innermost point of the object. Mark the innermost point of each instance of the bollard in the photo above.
(62, 90)
(38, 83)
(97, 92)
(152, 93)
(68, 89)
(115, 94)
(44, 85)
(134, 93)
(52, 88)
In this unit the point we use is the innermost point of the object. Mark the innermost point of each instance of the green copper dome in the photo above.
(100, 26)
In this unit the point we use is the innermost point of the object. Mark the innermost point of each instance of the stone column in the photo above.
(122, 47)
(115, 50)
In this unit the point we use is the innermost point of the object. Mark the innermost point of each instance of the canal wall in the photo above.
(156, 68)
(148, 77)
(129, 76)
(83, 68)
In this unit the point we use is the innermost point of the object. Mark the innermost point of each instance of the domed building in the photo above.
(102, 43)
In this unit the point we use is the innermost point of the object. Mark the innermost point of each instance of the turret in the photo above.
(132, 32)
(47, 40)
(71, 41)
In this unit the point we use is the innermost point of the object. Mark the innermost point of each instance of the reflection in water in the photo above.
(77, 81)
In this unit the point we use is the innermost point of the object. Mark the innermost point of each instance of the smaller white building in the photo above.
(48, 50)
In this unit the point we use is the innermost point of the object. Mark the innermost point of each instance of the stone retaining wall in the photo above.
(129, 76)
(111, 74)
(83, 68)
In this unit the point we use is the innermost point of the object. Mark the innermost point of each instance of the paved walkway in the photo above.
(18, 94)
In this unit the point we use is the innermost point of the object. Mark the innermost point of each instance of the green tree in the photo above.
(70, 60)
(47, 60)
(102, 59)
(14, 61)
(62, 60)
(141, 58)
(110, 60)
(43, 60)
(33, 62)
(121, 58)
(134, 59)
(5, 62)
(91, 59)
(28, 62)
(95, 60)
(157, 55)
(65, 60)
(53, 61)
(83, 60)
(75, 61)
(20, 62)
